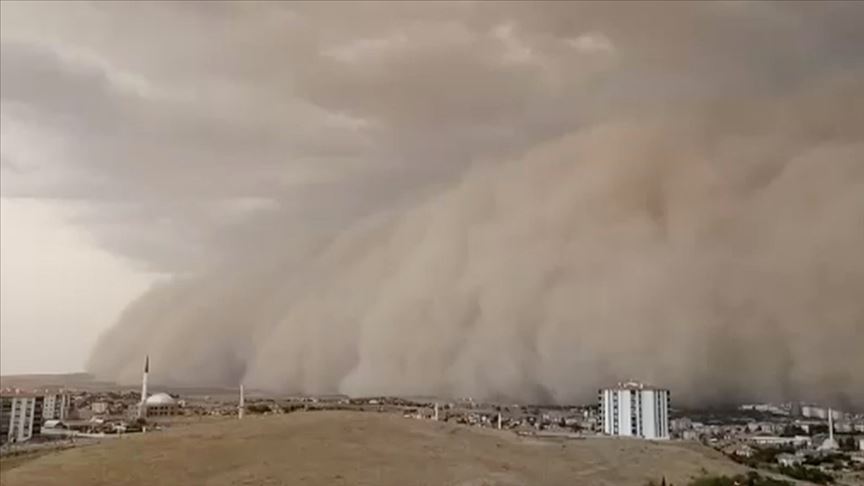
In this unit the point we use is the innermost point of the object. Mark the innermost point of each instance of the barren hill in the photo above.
(344, 448)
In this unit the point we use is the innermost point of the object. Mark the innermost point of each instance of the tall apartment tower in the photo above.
(635, 410)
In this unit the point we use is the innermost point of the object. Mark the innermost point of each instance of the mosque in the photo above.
(158, 404)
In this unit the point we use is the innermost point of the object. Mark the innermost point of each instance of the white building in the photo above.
(20, 417)
(160, 405)
(55, 406)
(635, 410)
(789, 460)
(812, 411)
(775, 441)
(99, 408)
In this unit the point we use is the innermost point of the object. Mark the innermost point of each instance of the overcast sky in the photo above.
(59, 288)
(148, 134)
(470, 196)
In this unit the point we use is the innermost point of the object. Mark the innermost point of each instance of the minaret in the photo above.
(435, 415)
(142, 407)
(830, 444)
(242, 406)
(499, 420)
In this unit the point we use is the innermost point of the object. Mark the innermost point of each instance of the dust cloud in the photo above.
(719, 252)
(519, 201)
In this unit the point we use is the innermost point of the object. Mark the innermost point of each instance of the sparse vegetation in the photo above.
(805, 473)
(10, 462)
(356, 448)
(832, 459)
(661, 483)
(792, 430)
(257, 408)
(767, 457)
(750, 479)
(847, 443)
(762, 456)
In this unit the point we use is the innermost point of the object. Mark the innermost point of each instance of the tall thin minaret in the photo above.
(142, 407)
(241, 407)
(830, 444)
(435, 412)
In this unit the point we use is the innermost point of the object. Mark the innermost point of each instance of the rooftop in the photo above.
(633, 385)
(160, 399)
(19, 394)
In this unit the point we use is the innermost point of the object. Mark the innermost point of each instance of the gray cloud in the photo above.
(497, 199)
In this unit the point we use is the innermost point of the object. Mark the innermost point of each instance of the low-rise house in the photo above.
(99, 408)
(55, 428)
(54, 424)
(773, 440)
(789, 460)
(743, 450)
(690, 435)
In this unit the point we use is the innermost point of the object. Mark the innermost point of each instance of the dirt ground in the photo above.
(8, 463)
(357, 449)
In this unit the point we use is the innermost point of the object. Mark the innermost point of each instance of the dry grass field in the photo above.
(345, 448)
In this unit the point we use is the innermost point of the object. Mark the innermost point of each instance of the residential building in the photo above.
(55, 406)
(690, 435)
(775, 441)
(812, 411)
(741, 450)
(789, 460)
(99, 408)
(20, 417)
(635, 410)
(681, 424)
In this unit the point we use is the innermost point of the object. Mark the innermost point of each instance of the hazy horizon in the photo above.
(495, 199)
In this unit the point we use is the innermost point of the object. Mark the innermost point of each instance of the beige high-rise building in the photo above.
(635, 410)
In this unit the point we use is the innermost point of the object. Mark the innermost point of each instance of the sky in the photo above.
(501, 199)
(58, 288)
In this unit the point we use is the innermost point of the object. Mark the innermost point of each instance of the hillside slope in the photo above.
(343, 448)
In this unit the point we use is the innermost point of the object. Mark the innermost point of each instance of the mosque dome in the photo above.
(159, 399)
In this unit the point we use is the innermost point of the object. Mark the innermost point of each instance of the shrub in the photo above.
(750, 479)
(805, 473)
